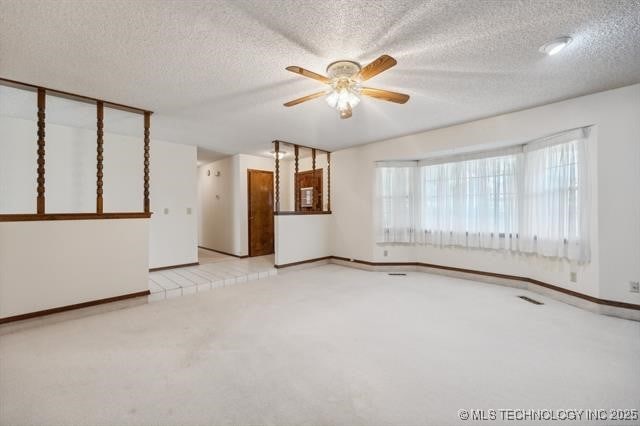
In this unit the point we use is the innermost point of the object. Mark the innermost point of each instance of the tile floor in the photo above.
(215, 270)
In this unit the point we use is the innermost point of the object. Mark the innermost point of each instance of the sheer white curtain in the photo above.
(395, 198)
(470, 202)
(554, 219)
(533, 198)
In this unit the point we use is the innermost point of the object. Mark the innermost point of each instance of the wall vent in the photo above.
(397, 273)
(530, 300)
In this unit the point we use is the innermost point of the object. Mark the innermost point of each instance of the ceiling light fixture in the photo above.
(345, 93)
(281, 154)
(556, 45)
(345, 81)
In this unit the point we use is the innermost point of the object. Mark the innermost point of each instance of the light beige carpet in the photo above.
(324, 346)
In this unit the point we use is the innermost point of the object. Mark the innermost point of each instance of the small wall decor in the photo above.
(306, 197)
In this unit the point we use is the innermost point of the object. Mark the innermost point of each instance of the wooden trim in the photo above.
(72, 307)
(329, 181)
(296, 195)
(147, 125)
(277, 151)
(301, 146)
(71, 216)
(99, 156)
(59, 93)
(42, 101)
(300, 213)
(302, 262)
(224, 252)
(583, 296)
(184, 265)
(313, 159)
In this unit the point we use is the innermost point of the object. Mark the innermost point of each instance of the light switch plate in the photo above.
(634, 286)
(188, 210)
(166, 210)
(573, 276)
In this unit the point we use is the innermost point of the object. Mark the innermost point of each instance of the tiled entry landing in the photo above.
(221, 272)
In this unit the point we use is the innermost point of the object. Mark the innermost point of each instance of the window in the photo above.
(395, 198)
(471, 203)
(532, 198)
(555, 197)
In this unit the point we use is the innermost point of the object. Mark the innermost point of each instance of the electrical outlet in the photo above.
(573, 276)
(386, 253)
(166, 210)
(634, 286)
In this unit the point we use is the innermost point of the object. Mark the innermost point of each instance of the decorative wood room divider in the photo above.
(40, 109)
(314, 153)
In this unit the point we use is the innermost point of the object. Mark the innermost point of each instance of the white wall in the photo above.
(216, 204)
(70, 185)
(49, 264)
(173, 236)
(17, 166)
(301, 237)
(616, 199)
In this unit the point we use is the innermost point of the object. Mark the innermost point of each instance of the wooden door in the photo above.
(309, 179)
(260, 199)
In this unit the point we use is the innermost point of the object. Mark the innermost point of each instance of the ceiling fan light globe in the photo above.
(332, 99)
(353, 99)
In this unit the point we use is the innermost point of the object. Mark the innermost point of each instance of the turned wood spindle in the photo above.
(277, 155)
(147, 125)
(41, 128)
(99, 156)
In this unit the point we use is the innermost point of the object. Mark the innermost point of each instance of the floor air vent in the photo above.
(397, 273)
(530, 300)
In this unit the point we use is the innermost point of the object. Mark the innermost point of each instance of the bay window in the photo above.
(533, 198)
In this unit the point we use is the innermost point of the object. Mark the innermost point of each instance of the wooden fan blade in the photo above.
(304, 99)
(309, 74)
(385, 95)
(381, 64)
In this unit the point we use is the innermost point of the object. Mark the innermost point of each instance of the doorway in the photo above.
(260, 209)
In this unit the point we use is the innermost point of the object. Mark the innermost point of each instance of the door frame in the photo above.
(249, 211)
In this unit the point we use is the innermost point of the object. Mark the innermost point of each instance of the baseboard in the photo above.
(162, 268)
(73, 307)
(573, 293)
(604, 306)
(224, 252)
(302, 262)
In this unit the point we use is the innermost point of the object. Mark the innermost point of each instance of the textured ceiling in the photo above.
(213, 71)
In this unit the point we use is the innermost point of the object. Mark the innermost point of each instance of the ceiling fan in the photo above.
(345, 78)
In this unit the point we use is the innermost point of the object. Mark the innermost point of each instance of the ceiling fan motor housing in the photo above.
(343, 69)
